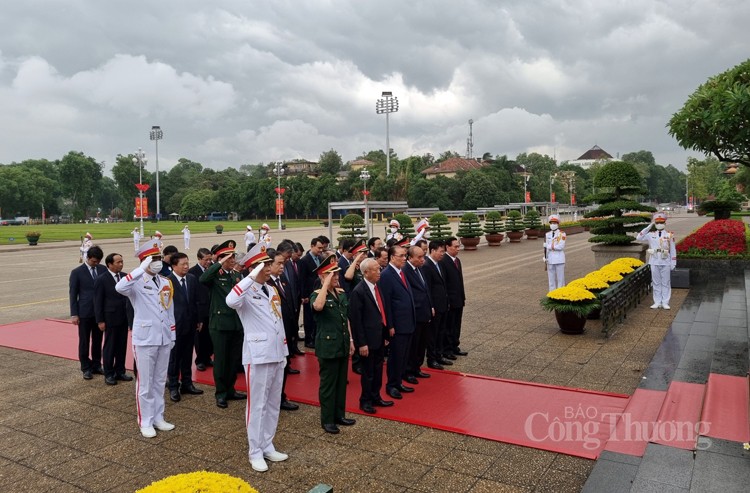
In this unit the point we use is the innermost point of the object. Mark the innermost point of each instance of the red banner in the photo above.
(141, 207)
(552, 197)
(528, 197)
(572, 199)
(279, 207)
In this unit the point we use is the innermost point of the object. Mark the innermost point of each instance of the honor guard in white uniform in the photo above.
(136, 238)
(153, 335)
(394, 227)
(85, 245)
(265, 236)
(186, 236)
(662, 258)
(422, 227)
(554, 253)
(249, 237)
(264, 352)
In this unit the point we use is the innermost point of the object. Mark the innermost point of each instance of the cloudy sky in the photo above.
(237, 82)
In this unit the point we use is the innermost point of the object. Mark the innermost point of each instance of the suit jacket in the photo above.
(185, 307)
(220, 284)
(288, 309)
(81, 290)
(454, 282)
(420, 292)
(308, 277)
(204, 295)
(436, 285)
(344, 266)
(293, 280)
(365, 319)
(398, 301)
(111, 307)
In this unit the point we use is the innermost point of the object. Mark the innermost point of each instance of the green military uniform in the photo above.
(224, 327)
(332, 349)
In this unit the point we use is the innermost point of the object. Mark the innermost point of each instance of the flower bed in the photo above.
(715, 239)
(202, 481)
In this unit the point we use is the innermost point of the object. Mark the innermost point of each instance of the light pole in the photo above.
(156, 135)
(551, 182)
(140, 161)
(387, 104)
(364, 176)
(526, 175)
(279, 170)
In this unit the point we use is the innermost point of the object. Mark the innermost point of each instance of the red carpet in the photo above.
(635, 426)
(678, 419)
(726, 408)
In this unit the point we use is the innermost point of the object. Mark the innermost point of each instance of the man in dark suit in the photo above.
(373, 245)
(290, 274)
(454, 284)
(344, 255)
(308, 264)
(180, 369)
(433, 275)
(81, 293)
(399, 312)
(114, 315)
(423, 310)
(203, 346)
(368, 324)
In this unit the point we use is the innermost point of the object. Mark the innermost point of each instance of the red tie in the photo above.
(403, 280)
(379, 301)
(458, 266)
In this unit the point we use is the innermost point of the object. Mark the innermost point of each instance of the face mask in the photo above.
(156, 266)
(393, 230)
(553, 226)
(660, 226)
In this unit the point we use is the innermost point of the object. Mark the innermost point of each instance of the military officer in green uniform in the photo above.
(224, 324)
(333, 345)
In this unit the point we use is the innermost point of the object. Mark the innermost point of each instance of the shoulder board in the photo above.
(562, 233)
(318, 291)
(339, 290)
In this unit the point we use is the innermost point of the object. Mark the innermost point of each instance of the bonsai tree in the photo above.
(352, 226)
(469, 226)
(619, 180)
(407, 227)
(439, 227)
(722, 209)
(514, 221)
(531, 220)
(493, 223)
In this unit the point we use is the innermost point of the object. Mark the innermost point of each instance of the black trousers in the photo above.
(180, 367)
(372, 376)
(89, 339)
(453, 329)
(115, 348)
(436, 337)
(204, 348)
(310, 326)
(397, 356)
(417, 348)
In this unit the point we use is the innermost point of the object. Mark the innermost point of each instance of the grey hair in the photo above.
(366, 263)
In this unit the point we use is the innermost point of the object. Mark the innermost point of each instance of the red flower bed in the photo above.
(724, 236)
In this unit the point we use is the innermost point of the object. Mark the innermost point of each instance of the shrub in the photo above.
(469, 226)
(352, 226)
(722, 209)
(514, 221)
(531, 219)
(407, 227)
(439, 227)
(722, 237)
(493, 223)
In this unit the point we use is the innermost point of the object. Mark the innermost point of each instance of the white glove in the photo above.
(253, 274)
(146, 262)
(544, 259)
(674, 267)
(650, 251)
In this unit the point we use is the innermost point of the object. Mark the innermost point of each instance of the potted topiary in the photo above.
(514, 226)
(352, 226)
(571, 305)
(440, 228)
(494, 228)
(33, 237)
(469, 231)
(618, 180)
(407, 226)
(219, 229)
(722, 209)
(533, 224)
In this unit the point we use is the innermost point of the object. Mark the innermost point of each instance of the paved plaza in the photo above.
(61, 433)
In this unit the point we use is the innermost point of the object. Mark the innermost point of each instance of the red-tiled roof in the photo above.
(453, 165)
(595, 153)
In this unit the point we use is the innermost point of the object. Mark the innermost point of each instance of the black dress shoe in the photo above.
(421, 374)
(190, 389)
(411, 379)
(174, 395)
(87, 375)
(221, 402)
(124, 377)
(394, 393)
(110, 380)
(382, 403)
(311, 345)
(200, 367)
(97, 371)
(435, 366)
(405, 389)
(445, 362)
(331, 428)
(210, 363)
(292, 371)
(237, 396)
(288, 406)
(458, 352)
(298, 352)
(357, 370)
(451, 357)
(367, 408)
(345, 421)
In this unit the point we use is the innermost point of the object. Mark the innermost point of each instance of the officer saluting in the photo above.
(662, 259)
(554, 253)
(153, 334)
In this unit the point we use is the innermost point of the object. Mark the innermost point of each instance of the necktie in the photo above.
(184, 288)
(117, 278)
(379, 301)
(264, 289)
(419, 274)
(93, 272)
(294, 264)
(156, 282)
(458, 264)
(659, 234)
(403, 279)
(280, 286)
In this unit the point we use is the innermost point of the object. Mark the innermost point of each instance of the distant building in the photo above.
(451, 166)
(298, 167)
(360, 163)
(593, 155)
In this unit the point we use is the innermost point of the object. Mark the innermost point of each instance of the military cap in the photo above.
(256, 255)
(224, 248)
(554, 218)
(150, 248)
(330, 264)
(360, 246)
(422, 224)
(660, 217)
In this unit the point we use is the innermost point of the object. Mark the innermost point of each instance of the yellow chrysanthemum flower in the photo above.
(609, 275)
(594, 282)
(203, 481)
(573, 294)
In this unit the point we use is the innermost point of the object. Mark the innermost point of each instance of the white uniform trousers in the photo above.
(556, 275)
(661, 281)
(263, 406)
(187, 242)
(152, 363)
(136, 243)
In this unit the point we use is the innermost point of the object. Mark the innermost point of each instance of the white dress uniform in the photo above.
(186, 237)
(153, 338)
(136, 239)
(554, 242)
(87, 243)
(265, 238)
(264, 352)
(249, 239)
(662, 259)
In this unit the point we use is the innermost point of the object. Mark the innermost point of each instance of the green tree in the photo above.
(80, 175)
(479, 191)
(197, 203)
(330, 162)
(704, 176)
(716, 117)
